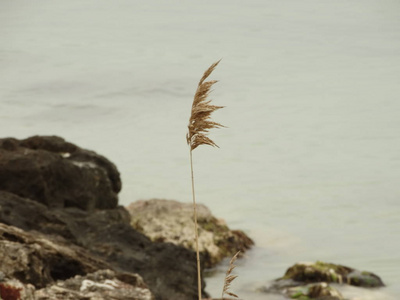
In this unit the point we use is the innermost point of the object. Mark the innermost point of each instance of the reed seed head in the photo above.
(200, 119)
(229, 277)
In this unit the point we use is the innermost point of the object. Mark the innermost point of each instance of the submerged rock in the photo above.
(172, 222)
(327, 272)
(320, 291)
(310, 281)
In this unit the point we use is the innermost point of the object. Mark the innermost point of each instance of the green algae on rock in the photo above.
(328, 272)
(320, 290)
(311, 281)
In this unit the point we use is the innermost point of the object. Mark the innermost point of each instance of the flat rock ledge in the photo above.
(172, 222)
(309, 281)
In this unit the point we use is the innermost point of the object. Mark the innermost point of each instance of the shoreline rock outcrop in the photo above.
(170, 221)
(64, 197)
(58, 174)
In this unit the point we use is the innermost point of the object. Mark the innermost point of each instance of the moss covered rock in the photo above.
(311, 281)
(328, 272)
(320, 290)
(172, 221)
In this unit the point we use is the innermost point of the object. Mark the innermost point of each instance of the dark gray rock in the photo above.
(311, 281)
(328, 272)
(169, 270)
(51, 187)
(364, 279)
(57, 173)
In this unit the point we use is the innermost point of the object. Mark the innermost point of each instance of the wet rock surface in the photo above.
(171, 221)
(318, 291)
(64, 199)
(320, 281)
(328, 272)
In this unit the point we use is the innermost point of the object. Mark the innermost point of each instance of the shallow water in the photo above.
(310, 161)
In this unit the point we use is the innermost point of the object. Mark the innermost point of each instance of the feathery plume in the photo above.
(229, 277)
(200, 122)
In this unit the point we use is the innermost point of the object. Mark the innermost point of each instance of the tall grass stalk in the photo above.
(199, 125)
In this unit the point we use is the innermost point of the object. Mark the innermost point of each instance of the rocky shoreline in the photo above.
(63, 235)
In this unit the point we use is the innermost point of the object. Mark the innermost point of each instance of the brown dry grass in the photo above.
(229, 277)
(199, 125)
(200, 122)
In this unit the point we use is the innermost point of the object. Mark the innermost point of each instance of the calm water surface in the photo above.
(310, 162)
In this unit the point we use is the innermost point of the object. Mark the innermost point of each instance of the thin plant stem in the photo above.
(199, 125)
(196, 229)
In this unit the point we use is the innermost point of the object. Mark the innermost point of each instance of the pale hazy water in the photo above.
(310, 164)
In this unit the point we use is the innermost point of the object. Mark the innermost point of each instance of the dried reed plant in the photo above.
(200, 122)
(199, 125)
(229, 278)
